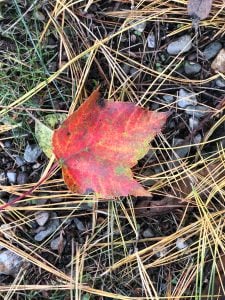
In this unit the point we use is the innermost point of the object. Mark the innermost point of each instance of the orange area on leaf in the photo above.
(100, 143)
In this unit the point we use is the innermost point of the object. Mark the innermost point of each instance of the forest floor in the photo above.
(55, 244)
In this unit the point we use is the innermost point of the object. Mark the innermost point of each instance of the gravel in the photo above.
(181, 45)
(197, 138)
(50, 228)
(211, 50)
(192, 68)
(220, 82)
(168, 98)
(197, 111)
(20, 161)
(57, 243)
(42, 217)
(22, 178)
(79, 224)
(218, 64)
(31, 153)
(193, 123)
(140, 27)
(11, 175)
(10, 263)
(181, 244)
(148, 233)
(182, 151)
(151, 40)
(186, 98)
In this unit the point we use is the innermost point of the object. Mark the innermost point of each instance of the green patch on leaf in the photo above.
(120, 170)
(44, 131)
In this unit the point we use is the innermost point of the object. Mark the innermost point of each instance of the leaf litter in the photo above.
(172, 207)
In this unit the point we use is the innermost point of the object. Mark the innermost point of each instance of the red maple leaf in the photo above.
(99, 143)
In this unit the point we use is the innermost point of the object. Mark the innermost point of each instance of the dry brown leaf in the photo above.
(218, 65)
(199, 9)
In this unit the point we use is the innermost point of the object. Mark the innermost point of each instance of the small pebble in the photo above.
(31, 153)
(197, 139)
(10, 263)
(41, 217)
(20, 161)
(211, 50)
(182, 151)
(36, 166)
(140, 27)
(22, 178)
(197, 111)
(7, 144)
(220, 82)
(192, 68)
(52, 227)
(79, 224)
(126, 68)
(218, 64)
(11, 175)
(193, 123)
(57, 243)
(181, 45)
(151, 40)
(148, 233)
(181, 244)
(168, 98)
(186, 98)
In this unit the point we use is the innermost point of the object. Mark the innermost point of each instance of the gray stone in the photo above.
(57, 243)
(197, 138)
(186, 98)
(148, 233)
(168, 98)
(140, 27)
(197, 111)
(11, 175)
(151, 40)
(41, 217)
(193, 123)
(22, 178)
(10, 263)
(79, 224)
(51, 227)
(211, 50)
(181, 45)
(20, 161)
(126, 68)
(182, 151)
(192, 68)
(181, 244)
(7, 144)
(31, 153)
(220, 82)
